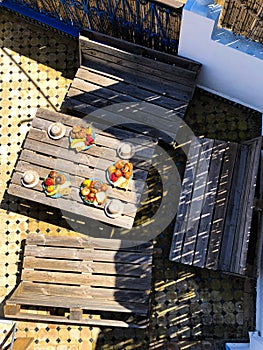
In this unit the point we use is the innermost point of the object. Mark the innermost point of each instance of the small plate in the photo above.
(114, 183)
(64, 186)
(95, 203)
(85, 147)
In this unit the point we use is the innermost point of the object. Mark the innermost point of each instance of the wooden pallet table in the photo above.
(42, 154)
(83, 281)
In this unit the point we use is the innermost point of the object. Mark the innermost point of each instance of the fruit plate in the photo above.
(80, 144)
(95, 201)
(122, 182)
(59, 190)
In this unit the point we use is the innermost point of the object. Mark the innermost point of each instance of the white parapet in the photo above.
(232, 66)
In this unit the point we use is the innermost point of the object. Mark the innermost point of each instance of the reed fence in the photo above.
(244, 17)
(147, 22)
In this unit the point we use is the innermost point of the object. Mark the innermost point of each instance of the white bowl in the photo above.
(125, 150)
(30, 178)
(114, 208)
(56, 131)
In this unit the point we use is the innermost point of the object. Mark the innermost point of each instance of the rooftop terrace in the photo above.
(191, 308)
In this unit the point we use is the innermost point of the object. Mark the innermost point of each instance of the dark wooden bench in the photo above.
(214, 216)
(83, 281)
(115, 72)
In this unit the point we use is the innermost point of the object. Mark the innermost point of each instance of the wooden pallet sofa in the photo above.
(83, 281)
(212, 227)
(156, 86)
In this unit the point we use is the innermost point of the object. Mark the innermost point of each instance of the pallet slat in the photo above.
(196, 202)
(203, 239)
(183, 209)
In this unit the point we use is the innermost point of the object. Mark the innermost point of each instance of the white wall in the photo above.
(226, 70)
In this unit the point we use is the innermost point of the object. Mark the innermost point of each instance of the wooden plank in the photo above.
(87, 292)
(87, 242)
(70, 206)
(184, 203)
(121, 91)
(233, 209)
(94, 280)
(138, 63)
(124, 257)
(108, 268)
(85, 304)
(197, 202)
(139, 50)
(221, 205)
(88, 46)
(208, 204)
(238, 263)
(65, 320)
(145, 81)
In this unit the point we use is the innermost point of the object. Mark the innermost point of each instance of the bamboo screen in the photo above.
(151, 23)
(244, 17)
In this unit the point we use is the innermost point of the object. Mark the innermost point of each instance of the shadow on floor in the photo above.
(41, 44)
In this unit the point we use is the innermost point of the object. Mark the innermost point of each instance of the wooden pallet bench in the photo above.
(83, 281)
(157, 86)
(214, 216)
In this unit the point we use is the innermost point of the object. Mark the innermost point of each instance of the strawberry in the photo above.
(49, 182)
(113, 177)
(89, 140)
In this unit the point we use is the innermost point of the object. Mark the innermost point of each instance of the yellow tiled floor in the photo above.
(27, 84)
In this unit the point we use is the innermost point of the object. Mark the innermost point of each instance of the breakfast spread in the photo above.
(120, 173)
(93, 191)
(56, 184)
(81, 137)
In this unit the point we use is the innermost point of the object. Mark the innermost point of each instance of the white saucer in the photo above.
(112, 216)
(55, 137)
